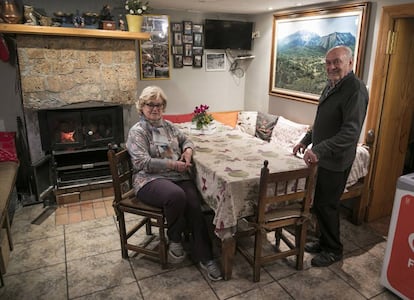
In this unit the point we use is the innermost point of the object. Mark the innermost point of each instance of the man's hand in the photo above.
(299, 148)
(310, 157)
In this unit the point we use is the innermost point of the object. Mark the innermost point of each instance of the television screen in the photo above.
(222, 34)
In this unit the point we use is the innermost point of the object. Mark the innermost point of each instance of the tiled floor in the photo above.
(83, 261)
(84, 211)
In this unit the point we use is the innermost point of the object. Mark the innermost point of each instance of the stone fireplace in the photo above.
(60, 73)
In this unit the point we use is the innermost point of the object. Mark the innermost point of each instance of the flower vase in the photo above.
(134, 22)
(206, 129)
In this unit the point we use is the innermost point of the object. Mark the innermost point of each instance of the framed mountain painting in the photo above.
(301, 40)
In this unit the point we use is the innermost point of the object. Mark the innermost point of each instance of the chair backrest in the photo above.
(281, 190)
(121, 171)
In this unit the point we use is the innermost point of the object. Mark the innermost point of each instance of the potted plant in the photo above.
(135, 11)
(202, 121)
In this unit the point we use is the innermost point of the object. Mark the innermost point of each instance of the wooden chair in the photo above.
(125, 201)
(284, 201)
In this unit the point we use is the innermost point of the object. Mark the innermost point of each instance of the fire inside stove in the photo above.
(67, 137)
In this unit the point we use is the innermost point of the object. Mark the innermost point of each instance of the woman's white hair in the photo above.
(149, 93)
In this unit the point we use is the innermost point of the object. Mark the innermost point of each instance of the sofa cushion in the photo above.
(264, 125)
(8, 146)
(182, 118)
(287, 133)
(227, 117)
(246, 121)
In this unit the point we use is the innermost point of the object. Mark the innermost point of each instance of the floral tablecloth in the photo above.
(227, 171)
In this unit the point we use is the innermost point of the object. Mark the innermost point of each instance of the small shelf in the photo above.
(244, 57)
(68, 31)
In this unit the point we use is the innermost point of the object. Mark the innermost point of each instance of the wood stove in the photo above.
(77, 137)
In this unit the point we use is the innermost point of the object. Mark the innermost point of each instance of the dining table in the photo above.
(226, 168)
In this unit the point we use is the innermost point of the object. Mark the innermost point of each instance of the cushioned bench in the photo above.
(8, 174)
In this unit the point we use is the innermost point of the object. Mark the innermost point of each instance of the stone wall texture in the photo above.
(57, 71)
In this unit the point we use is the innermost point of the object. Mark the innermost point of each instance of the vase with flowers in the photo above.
(135, 11)
(202, 121)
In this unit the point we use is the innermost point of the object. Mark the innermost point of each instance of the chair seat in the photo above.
(292, 211)
(135, 203)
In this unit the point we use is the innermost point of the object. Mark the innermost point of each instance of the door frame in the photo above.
(388, 18)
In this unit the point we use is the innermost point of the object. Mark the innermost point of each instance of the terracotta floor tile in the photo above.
(84, 210)
(108, 204)
(73, 209)
(87, 214)
(61, 210)
(62, 219)
(98, 204)
(110, 211)
(100, 212)
(75, 218)
(86, 205)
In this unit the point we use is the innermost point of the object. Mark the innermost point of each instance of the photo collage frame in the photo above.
(154, 54)
(187, 44)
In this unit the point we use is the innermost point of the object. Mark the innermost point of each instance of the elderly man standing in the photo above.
(334, 137)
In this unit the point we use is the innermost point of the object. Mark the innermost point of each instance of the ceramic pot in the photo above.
(134, 22)
(10, 12)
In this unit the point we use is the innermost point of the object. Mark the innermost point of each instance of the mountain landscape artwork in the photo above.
(300, 48)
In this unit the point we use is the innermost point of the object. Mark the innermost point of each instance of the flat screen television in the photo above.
(226, 34)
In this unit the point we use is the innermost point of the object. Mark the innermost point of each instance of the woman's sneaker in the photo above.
(213, 270)
(176, 252)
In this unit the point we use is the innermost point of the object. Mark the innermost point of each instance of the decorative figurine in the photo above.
(29, 15)
(121, 23)
(107, 19)
(78, 21)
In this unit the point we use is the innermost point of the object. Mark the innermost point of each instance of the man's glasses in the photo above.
(153, 105)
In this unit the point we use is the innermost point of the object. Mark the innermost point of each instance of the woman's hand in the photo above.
(181, 166)
(186, 156)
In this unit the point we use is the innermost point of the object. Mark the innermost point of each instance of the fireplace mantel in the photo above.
(68, 31)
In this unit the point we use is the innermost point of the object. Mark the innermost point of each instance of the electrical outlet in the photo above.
(255, 34)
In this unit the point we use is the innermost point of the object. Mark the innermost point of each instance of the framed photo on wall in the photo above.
(197, 50)
(197, 28)
(154, 53)
(177, 38)
(198, 39)
(301, 40)
(178, 61)
(187, 60)
(215, 61)
(187, 39)
(177, 50)
(187, 27)
(188, 49)
(176, 27)
(197, 61)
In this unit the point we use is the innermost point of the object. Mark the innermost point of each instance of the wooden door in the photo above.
(394, 119)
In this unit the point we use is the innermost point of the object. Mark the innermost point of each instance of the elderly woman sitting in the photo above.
(161, 156)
